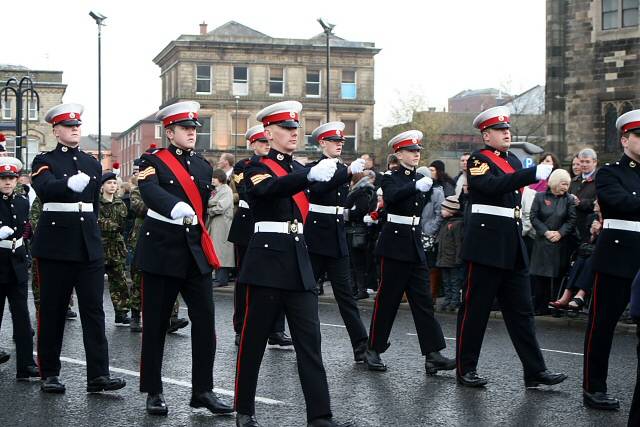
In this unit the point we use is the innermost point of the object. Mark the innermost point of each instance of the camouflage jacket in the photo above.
(111, 220)
(140, 210)
(34, 214)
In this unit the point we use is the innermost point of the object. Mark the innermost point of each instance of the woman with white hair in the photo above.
(553, 216)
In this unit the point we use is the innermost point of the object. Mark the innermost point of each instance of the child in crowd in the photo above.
(449, 259)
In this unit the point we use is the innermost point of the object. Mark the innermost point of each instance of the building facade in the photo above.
(50, 89)
(129, 145)
(235, 71)
(593, 73)
(477, 100)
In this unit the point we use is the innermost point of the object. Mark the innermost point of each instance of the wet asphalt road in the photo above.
(403, 396)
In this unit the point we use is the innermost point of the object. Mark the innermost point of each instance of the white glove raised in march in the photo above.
(543, 171)
(424, 184)
(368, 220)
(356, 166)
(5, 232)
(78, 182)
(323, 171)
(182, 210)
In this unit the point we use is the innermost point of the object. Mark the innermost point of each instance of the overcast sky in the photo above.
(434, 49)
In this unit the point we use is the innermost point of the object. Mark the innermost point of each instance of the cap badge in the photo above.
(338, 132)
(72, 115)
(64, 149)
(280, 157)
(407, 172)
(190, 115)
(292, 114)
(178, 151)
(414, 140)
(632, 164)
(501, 118)
(7, 167)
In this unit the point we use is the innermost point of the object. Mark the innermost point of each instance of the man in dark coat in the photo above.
(496, 254)
(583, 186)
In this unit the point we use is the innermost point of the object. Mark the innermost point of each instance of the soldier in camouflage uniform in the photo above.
(175, 323)
(113, 215)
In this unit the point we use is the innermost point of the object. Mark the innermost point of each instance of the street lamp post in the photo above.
(19, 89)
(328, 28)
(99, 18)
(235, 133)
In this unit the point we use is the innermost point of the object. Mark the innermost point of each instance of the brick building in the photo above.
(129, 145)
(235, 71)
(593, 73)
(49, 86)
(477, 100)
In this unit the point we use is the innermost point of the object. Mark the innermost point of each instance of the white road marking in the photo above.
(222, 391)
(332, 325)
(543, 349)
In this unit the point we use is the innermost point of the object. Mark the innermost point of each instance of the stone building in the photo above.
(235, 71)
(593, 73)
(49, 86)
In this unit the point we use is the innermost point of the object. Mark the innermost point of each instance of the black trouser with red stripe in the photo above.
(610, 297)
(482, 285)
(339, 273)
(398, 277)
(159, 294)
(240, 295)
(57, 280)
(263, 307)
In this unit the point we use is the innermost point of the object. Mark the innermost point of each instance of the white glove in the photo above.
(78, 182)
(323, 171)
(368, 220)
(543, 171)
(356, 166)
(424, 184)
(182, 210)
(5, 232)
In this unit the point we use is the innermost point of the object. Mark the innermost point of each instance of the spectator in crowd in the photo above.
(553, 216)
(220, 210)
(226, 162)
(441, 178)
(430, 223)
(361, 200)
(369, 165)
(576, 166)
(583, 187)
(545, 159)
(392, 162)
(580, 278)
(449, 259)
(461, 178)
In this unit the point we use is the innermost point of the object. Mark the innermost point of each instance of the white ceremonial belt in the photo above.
(243, 204)
(67, 207)
(332, 210)
(621, 224)
(406, 220)
(496, 210)
(11, 244)
(287, 227)
(187, 220)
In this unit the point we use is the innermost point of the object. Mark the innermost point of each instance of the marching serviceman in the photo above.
(14, 215)
(69, 252)
(616, 259)
(276, 268)
(403, 264)
(325, 234)
(240, 234)
(496, 256)
(175, 254)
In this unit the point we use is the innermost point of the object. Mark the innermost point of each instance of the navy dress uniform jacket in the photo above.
(163, 248)
(67, 236)
(284, 256)
(325, 233)
(402, 242)
(618, 193)
(242, 225)
(491, 240)
(14, 213)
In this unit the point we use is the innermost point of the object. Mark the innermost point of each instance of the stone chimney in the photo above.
(203, 29)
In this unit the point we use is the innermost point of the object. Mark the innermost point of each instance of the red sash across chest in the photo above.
(501, 163)
(300, 199)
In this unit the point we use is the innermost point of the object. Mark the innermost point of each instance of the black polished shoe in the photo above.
(328, 422)
(122, 319)
(52, 385)
(135, 325)
(373, 361)
(210, 401)
(359, 352)
(71, 315)
(280, 339)
(176, 323)
(156, 404)
(544, 378)
(105, 383)
(4, 356)
(600, 400)
(362, 294)
(27, 373)
(435, 362)
(471, 379)
(244, 420)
